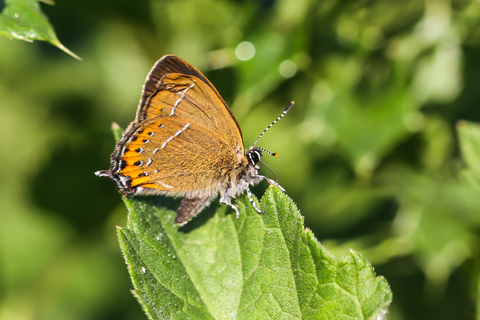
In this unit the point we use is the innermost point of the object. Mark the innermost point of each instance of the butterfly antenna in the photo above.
(271, 124)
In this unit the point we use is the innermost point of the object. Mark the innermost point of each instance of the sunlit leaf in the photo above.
(256, 267)
(22, 19)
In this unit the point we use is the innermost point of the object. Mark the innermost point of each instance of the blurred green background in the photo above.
(370, 151)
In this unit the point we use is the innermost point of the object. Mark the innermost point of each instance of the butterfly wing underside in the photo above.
(166, 156)
(183, 142)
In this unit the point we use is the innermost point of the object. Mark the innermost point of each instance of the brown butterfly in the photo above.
(185, 142)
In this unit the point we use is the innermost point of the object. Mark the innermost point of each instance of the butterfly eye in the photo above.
(254, 156)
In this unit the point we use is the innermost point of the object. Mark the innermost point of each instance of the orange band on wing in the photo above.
(138, 181)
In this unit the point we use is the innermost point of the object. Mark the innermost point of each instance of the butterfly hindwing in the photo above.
(157, 159)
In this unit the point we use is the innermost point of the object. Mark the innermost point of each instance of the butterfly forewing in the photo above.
(187, 97)
(162, 77)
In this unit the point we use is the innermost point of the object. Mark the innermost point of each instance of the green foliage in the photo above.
(379, 151)
(469, 136)
(22, 19)
(256, 267)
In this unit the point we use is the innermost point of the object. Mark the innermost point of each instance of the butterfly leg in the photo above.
(275, 183)
(227, 201)
(252, 201)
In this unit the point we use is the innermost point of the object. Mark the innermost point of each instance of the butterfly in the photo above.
(185, 142)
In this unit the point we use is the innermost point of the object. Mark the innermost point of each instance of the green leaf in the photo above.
(469, 136)
(117, 131)
(260, 266)
(22, 19)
